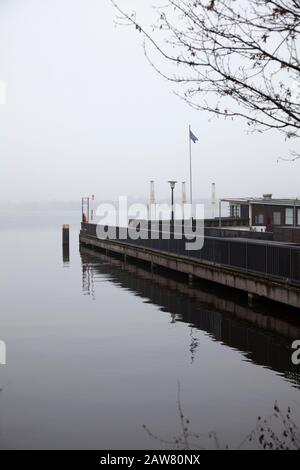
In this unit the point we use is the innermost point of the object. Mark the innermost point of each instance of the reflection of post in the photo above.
(173, 317)
(85, 280)
(66, 254)
(88, 283)
(193, 345)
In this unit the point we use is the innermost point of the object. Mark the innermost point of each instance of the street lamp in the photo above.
(172, 184)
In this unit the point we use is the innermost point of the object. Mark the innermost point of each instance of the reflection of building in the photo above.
(263, 337)
(266, 212)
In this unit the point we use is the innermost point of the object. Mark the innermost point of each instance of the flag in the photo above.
(193, 137)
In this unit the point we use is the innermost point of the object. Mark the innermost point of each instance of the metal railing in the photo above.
(265, 258)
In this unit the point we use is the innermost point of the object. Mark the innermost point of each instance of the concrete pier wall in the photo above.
(257, 285)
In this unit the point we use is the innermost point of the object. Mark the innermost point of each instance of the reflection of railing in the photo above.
(268, 259)
(262, 335)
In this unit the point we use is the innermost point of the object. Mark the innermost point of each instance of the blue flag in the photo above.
(193, 137)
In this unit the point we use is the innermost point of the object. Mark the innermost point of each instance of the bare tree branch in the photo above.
(233, 58)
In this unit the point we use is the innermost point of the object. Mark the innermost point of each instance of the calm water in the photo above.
(96, 349)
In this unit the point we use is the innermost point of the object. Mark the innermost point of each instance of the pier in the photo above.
(261, 268)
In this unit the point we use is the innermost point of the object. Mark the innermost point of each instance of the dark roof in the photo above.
(240, 200)
(263, 201)
(277, 202)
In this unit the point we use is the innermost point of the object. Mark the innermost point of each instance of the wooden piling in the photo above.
(65, 235)
(65, 244)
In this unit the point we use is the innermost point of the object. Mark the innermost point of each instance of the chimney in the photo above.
(152, 205)
(213, 199)
(268, 197)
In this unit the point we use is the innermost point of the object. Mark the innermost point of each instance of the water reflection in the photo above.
(263, 336)
(66, 254)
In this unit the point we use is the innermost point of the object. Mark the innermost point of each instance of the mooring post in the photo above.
(65, 234)
(65, 243)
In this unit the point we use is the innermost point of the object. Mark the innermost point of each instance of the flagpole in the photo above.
(190, 148)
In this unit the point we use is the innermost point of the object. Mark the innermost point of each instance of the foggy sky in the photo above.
(85, 113)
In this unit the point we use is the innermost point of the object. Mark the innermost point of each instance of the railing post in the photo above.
(228, 254)
(172, 227)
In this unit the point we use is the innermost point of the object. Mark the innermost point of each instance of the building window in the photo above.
(276, 218)
(259, 219)
(234, 210)
(298, 216)
(289, 216)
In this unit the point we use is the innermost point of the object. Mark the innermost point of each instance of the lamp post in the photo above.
(172, 184)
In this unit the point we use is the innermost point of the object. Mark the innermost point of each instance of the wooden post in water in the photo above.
(65, 234)
(65, 243)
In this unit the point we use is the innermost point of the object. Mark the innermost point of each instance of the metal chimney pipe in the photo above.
(152, 210)
(213, 199)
